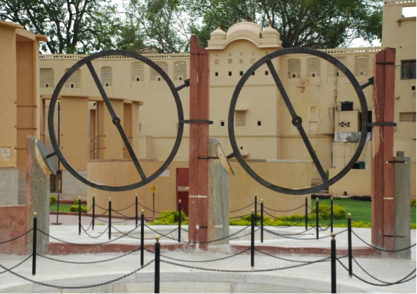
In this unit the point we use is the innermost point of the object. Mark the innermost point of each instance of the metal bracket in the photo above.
(186, 84)
(196, 121)
(381, 124)
(370, 82)
(231, 155)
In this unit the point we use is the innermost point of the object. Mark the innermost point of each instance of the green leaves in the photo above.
(72, 26)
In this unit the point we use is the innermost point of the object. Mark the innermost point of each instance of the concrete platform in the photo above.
(281, 264)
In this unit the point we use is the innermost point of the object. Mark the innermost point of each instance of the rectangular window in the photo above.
(240, 118)
(408, 69)
(407, 117)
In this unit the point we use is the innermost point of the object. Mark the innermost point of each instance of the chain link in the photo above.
(284, 210)
(107, 228)
(79, 244)
(85, 230)
(401, 281)
(163, 235)
(7, 241)
(245, 271)
(198, 261)
(118, 210)
(77, 287)
(242, 208)
(281, 258)
(87, 262)
(20, 263)
(381, 249)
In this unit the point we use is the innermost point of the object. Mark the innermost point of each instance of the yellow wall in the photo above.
(241, 193)
(8, 94)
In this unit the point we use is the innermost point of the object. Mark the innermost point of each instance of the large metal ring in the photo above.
(116, 121)
(297, 121)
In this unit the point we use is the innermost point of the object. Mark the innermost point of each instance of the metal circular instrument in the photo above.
(297, 120)
(116, 120)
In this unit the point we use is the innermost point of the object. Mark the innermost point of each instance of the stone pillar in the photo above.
(37, 199)
(382, 172)
(199, 136)
(218, 196)
(402, 173)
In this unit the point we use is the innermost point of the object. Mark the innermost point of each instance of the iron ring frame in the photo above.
(297, 120)
(116, 121)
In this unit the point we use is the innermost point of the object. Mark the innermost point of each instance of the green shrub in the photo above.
(52, 200)
(74, 208)
(324, 212)
(413, 226)
(413, 202)
(75, 201)
(169, 217)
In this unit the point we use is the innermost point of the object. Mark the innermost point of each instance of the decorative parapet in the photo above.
(81, 56)
(400, 2)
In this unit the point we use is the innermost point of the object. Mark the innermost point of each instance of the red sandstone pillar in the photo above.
(382, 173)
(199, 137)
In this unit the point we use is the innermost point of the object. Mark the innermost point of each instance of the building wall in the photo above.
(19, 97)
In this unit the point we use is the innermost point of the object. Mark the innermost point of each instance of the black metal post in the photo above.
(157, 264)
(35, 230)
(142, 237)
(179, 221)
(79, 215)
(109, 218)
(94, 212)
(333, 262)
(256, 204)
(350, 244)
(136, 210)
(317, 218)
(306, 206)
(331, 214)
(153, 206)
(262, 220)
(252, 240)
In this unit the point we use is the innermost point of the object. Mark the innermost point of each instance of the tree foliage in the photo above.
(161, 24)
(301, 23)
(72, 26)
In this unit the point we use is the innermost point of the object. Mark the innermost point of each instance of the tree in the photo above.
(301, 23)
(163, 24)
(72, 26)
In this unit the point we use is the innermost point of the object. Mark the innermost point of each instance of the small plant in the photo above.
(413, 202)
(74, 208)
(75, 201)
(169, 217)
(53, 200)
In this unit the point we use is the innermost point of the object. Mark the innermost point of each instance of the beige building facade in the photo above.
(19, 100)
(320, 93)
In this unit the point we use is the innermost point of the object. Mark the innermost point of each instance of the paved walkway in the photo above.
(221, 269)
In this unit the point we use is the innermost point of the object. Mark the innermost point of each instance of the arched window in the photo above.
(136, 72)
(333, 71)
(47, 78)
(313, 67)
(155, 75)
(106, 76)
(74, 80)
(180, 71)
(294, 68)
(362, 66)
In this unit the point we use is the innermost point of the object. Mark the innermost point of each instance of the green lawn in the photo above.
(360, 210)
